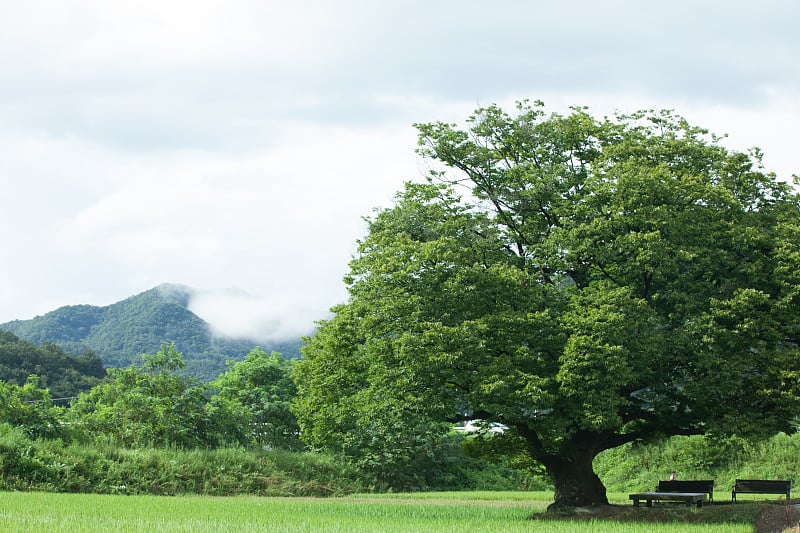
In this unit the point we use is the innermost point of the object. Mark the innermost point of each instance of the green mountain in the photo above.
(119, 333)
(63, 374)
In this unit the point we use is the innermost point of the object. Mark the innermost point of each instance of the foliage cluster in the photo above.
(62, 374)
(154, 405)
(102, 438)
(262, 389)
(30, 409)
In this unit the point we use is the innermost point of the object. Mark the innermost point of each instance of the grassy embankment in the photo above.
(636, 468)
(53, 466)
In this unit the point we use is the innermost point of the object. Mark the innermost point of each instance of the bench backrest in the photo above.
(763, 486)
(688, 485)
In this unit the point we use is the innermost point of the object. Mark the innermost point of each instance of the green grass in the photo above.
(426, 512)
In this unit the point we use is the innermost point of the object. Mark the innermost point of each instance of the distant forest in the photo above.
(64, 375)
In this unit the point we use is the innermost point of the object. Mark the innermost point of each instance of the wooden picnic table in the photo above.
(696, 498)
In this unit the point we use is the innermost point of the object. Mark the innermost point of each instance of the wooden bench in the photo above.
(688, 485)
(761, 486)
(690, 498)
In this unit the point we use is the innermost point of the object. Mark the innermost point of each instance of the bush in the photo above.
(49, 465)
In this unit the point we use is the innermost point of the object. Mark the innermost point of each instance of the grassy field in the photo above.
(426, 512)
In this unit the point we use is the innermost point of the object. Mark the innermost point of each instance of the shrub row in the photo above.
(27, 463)
(50, 465)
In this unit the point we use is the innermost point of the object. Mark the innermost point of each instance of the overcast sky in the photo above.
(237, 144)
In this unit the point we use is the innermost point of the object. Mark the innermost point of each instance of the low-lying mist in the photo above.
(235, 313)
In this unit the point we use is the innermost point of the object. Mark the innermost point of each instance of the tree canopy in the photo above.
(584, 282)
(64, 375)
(154, 405)
(262, 386)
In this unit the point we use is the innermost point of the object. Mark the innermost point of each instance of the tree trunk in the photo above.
(576, 484)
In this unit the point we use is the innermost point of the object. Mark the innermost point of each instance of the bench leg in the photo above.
(649, 503)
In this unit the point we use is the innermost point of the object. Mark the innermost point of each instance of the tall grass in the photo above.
(26, 464)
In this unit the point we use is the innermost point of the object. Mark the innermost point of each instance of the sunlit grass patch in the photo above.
(404, 512)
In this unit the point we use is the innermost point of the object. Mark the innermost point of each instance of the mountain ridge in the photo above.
(120, 332)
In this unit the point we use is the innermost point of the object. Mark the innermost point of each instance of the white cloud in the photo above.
(282, 223)
(238, 143)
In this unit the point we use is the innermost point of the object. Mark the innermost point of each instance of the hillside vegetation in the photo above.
(640, 467)
(119, 333)
(64, 375)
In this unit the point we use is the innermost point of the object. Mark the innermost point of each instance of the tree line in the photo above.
(247, 410)
(153, 404)
(64, 375)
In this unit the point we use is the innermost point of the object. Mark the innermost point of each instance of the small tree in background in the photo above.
(262, 386)
(154, 405)
(30, 408)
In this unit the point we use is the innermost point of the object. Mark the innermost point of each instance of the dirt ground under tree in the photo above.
(766, 517)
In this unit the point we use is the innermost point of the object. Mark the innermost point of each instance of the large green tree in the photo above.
(585, 282)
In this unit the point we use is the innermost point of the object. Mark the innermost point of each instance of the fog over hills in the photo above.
(119, 333)
(239, 314)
